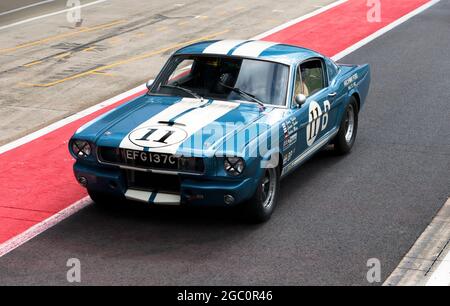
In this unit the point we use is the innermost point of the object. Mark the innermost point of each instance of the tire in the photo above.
(263, 202)
(102, 200)
(345, 139)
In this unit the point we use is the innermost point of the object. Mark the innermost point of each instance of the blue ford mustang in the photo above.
(221, 124)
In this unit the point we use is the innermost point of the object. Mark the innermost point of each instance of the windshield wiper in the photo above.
(245, 94)
(195, 95)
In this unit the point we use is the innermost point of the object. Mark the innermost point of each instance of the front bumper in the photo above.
(194, 190)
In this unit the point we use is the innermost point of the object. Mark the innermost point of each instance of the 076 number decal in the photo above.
(318, 120)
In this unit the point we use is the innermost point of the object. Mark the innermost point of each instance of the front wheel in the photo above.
(346, 136)
(262, 204)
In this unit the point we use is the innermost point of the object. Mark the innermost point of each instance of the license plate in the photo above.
(151, 160)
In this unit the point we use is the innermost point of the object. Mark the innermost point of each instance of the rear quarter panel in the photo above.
(355, 80)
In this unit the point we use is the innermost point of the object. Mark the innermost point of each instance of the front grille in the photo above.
(150, 160)
(110, 155)
(153, 182)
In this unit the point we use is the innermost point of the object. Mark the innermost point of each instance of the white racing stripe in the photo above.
(170, 112)
(191, 122)
(200, 118)
(253, 48)
(222, 47)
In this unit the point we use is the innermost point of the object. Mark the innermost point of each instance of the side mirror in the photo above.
(300, 100)
(149, 84)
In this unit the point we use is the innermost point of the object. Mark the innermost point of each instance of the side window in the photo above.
(312, 77)
(332, 70)
(299, 89)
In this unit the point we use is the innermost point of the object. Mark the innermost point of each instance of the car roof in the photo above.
(266, 50)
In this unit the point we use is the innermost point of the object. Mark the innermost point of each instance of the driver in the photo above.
(300, 85)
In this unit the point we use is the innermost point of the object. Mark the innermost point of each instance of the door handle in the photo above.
(332, 95)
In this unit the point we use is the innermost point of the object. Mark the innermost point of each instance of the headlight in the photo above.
(234, 165)
(81, 148)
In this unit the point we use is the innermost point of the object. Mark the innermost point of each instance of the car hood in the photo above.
(176, 125)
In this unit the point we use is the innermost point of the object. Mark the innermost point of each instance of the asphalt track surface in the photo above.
(334, 212)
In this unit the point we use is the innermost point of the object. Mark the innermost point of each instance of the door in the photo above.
(314, 114)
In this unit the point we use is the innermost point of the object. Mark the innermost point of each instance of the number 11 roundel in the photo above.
(157, 136)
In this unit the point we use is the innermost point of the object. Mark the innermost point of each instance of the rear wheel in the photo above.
(346, 136)
(262, 204)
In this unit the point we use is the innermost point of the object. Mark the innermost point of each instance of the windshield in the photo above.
(224, 78)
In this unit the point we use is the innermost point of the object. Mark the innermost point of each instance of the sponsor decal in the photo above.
(222, 47)
(351, 82)
(289, 141)
(288, 156)
(253, 48)
(290, 129)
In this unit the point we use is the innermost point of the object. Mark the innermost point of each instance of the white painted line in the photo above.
(441, 276)
(50, 14)
(61, 123)
(384, 30)
(17, 241)
(25, 7)
(297, 20)
(37, 229)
